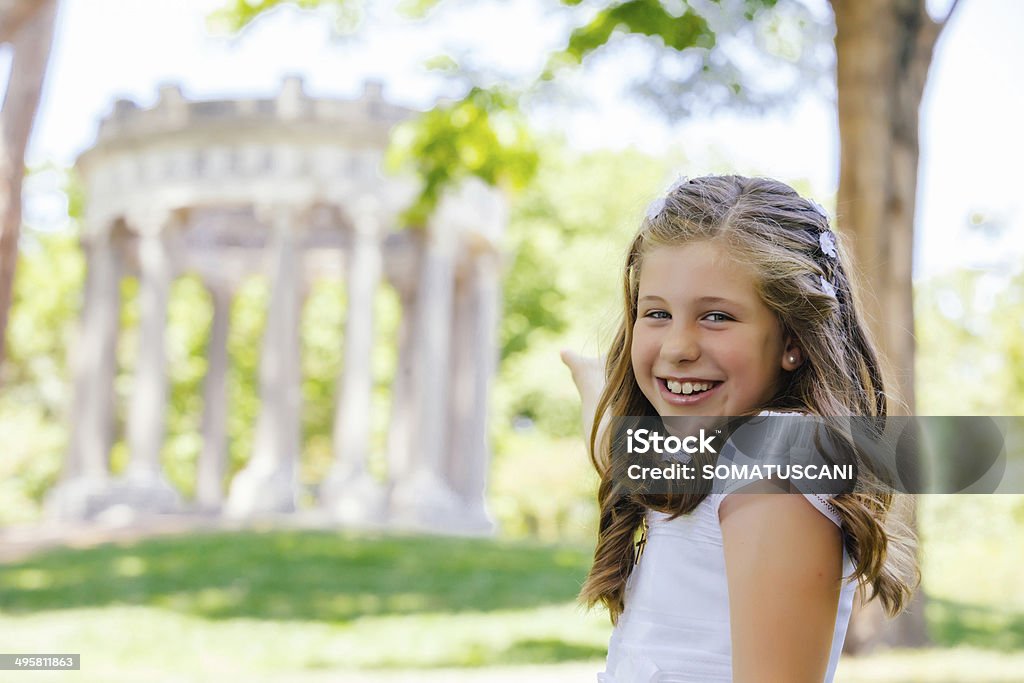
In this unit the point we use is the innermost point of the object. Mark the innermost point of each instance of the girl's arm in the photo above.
(783, 561)
(588, 374)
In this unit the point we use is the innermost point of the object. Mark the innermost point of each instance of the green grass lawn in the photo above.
(294, 601)
(315, 605)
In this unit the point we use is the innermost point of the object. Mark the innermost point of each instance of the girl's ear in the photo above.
(792, 354)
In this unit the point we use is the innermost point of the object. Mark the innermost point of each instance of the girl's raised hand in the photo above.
(588, 374)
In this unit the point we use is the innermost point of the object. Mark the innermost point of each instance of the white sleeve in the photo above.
(774, 438)
(820, 501)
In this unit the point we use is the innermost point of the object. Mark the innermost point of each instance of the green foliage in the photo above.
(707, 56)
(235, 15)
(1007, 331)
(531, 303)
(979, 315)
(323, 338)
(543, 487)
(47, 288)
(644, 17)
(40, 338)
(482, 135)
(566, 237)
(417, 9)
(245, 332)
(189, 315)
(567, 234)
(323, 328)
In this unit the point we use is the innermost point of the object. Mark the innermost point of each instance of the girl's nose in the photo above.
(680, 345)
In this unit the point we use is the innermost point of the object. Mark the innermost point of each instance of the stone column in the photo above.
(212, 464)
(460, 380)
(474, 362)
(423, 499)
(269, 483)
(94, 361)
(143, 487)
(403, 407)
(351, 493)
(403, 269)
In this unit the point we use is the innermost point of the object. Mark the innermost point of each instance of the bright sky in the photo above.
(970, 140)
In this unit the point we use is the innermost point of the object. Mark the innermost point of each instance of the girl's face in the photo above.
(700, 321)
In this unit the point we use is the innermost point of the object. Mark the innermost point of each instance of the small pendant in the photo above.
(641, 543)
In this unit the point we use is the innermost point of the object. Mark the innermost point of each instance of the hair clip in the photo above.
(827, 287)
(655, 208)
(680, 181)
(827, 242)
(819, 209)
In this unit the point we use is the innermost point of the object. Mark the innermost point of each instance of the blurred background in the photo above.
(900, 118)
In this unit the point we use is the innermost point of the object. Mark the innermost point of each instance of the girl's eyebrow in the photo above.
(718, 300)
(701, 300)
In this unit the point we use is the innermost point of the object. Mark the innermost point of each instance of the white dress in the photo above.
(675, 626)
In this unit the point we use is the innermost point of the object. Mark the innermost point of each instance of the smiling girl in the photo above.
(738, 302)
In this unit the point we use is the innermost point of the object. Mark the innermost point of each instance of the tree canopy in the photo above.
(484, 134)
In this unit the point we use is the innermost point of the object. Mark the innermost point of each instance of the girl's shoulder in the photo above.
(820, 501)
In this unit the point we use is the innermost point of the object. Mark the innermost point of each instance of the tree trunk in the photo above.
(31, 37)
(883, 51)
(13, 15)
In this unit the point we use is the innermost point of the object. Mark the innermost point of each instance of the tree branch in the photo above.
(28, 68)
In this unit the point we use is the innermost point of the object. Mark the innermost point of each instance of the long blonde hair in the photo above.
(767, 224)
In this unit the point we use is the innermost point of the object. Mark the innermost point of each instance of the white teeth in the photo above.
(686, 387)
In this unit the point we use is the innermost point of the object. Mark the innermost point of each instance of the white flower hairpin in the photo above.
(680, 181)
(827, 287)
(827, 242)
(819, 208)
(655, 208)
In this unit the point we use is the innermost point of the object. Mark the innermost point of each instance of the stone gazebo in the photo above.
(290, 187)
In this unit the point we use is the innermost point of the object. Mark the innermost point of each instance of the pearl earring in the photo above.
(792, 359)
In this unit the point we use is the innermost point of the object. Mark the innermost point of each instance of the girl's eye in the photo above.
(723, 316)
(657, 315)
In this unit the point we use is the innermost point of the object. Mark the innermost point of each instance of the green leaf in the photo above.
(417, 9)
(484, 135)
(644, 17)
(235, 15)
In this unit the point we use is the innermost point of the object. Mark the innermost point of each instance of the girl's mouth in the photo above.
(685, 399)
